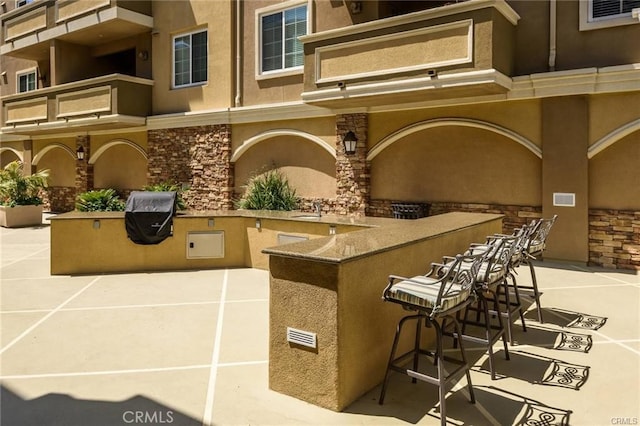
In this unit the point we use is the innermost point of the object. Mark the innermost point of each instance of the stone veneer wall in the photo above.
(353, 179)
(197, 156)
(60, 199)
(84, 170)
(614, 239)
(515, 216)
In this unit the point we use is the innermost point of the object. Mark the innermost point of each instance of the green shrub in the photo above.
(16, 189)
(269, 191)
(168, 187)
(101, 200)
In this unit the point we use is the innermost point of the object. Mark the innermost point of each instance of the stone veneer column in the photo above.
(197, 156)
(353, 177)
(84, 170)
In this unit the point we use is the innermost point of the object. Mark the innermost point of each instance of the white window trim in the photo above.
(173, 59)
(258, 53)
(26, 72)
(586, 23)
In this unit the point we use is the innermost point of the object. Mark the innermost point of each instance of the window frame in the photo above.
(587, 22)
(21, 3)
(271, 10)
(27, 72)
(173, 59)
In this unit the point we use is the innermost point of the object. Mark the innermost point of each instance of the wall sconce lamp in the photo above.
(258, 224)
(143, 55)
(80, 153)
(3, 5)
(349, 141)
(5, 80)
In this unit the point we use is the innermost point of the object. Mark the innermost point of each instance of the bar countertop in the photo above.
(390, 234)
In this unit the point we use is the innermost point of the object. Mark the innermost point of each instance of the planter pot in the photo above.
(13, 217)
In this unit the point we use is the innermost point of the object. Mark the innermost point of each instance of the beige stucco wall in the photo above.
(342, 304)
(565, 169)
(596, 48)
(120, 167)
(173, 18)
(457, 164)
(61, 166)
(107, 248)
(614, 176)
(520, 117)
(609, 112)
(308, 166)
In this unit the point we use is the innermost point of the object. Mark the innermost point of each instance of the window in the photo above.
(612, 8)
(280, 48)
(23, 2)
(596, 14)
(26, 81)
(190, 59)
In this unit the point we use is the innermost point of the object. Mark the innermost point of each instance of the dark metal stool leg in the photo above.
(536, 293)
(394, 347)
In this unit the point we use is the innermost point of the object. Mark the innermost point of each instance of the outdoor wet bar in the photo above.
(330, 332)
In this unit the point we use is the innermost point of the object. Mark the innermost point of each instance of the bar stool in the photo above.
(491, 278)
(434, 297)
(534, 247)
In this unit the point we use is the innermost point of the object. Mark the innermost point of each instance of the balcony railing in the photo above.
(102, 102)
(458, 50)
(27, 30)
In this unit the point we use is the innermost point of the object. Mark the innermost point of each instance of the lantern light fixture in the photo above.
(349, 141)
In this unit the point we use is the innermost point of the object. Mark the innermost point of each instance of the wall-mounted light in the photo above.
(258, 224)
(4, 77)
(143, 55)
(80, 153)
(3, 5)
(349, 141)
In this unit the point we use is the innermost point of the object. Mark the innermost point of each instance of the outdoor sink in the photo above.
(306, 216)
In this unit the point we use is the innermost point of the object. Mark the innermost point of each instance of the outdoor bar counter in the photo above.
(330, 331)
(332, 289)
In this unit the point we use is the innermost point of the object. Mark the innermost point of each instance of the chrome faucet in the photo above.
(317, 206)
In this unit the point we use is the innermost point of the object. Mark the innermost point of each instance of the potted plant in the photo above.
(20, 202)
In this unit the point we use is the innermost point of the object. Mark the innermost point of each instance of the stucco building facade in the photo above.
(527, 108)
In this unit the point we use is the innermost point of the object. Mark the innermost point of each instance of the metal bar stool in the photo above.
(434, 298)
(491, 278)
(534, 248)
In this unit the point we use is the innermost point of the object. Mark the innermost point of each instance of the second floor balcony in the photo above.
(455, 51)
(99, 103)
(27, 30)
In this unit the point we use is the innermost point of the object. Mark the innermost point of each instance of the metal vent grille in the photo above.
(300, 337)
(564, 199)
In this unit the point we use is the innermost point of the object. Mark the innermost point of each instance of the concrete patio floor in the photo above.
(191, 348)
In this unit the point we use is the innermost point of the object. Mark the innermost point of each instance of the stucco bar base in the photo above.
(333, 287)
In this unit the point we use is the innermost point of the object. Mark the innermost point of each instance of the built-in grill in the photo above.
(148, 216)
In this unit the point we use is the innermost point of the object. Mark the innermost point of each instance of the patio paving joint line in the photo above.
(46, 317)
(105, 372)
(207, 419)
(24, 257)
